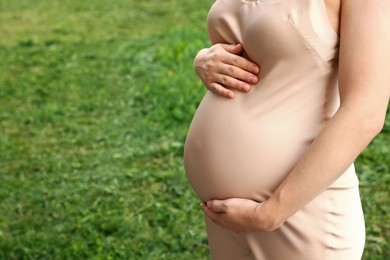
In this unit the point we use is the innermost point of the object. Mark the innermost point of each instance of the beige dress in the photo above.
(244, 147)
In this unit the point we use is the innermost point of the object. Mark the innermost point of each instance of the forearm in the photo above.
(331, 153)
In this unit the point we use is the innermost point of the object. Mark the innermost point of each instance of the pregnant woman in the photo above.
(270, 150)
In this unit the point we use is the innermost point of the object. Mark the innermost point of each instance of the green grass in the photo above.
(95, 101)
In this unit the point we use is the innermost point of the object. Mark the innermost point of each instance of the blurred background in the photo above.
(95, 101)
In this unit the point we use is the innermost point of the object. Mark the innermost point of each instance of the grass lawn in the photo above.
(95, 101)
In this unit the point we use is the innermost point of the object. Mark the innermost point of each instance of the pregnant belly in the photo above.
(235, 151)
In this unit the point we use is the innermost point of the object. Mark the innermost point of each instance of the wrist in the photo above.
(269, 216)
(199, 58)
(199, 63)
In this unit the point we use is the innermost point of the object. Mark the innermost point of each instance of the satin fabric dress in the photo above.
(244, 147)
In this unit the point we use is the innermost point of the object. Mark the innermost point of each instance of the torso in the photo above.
(244, 147)
(333, 8)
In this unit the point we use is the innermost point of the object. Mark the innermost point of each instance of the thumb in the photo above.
(235, 49)
(216, 206)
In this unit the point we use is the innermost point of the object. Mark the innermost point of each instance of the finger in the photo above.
(220, 219)
(235, 49)
(234, 59)
(229, 82)
(211, 214)
(218, 206)
(239, 73)
(220, 90)
(241, 62)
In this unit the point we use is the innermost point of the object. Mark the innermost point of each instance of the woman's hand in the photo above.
(221, 68)
(239, 215)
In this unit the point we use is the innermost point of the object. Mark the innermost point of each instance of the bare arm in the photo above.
(364, 92)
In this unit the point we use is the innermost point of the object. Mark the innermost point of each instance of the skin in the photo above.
(221, 68)
(364, 85)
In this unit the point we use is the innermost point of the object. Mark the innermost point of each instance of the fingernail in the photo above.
(230, 94)
(245, 87)
(253, 79)
(255, 69)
